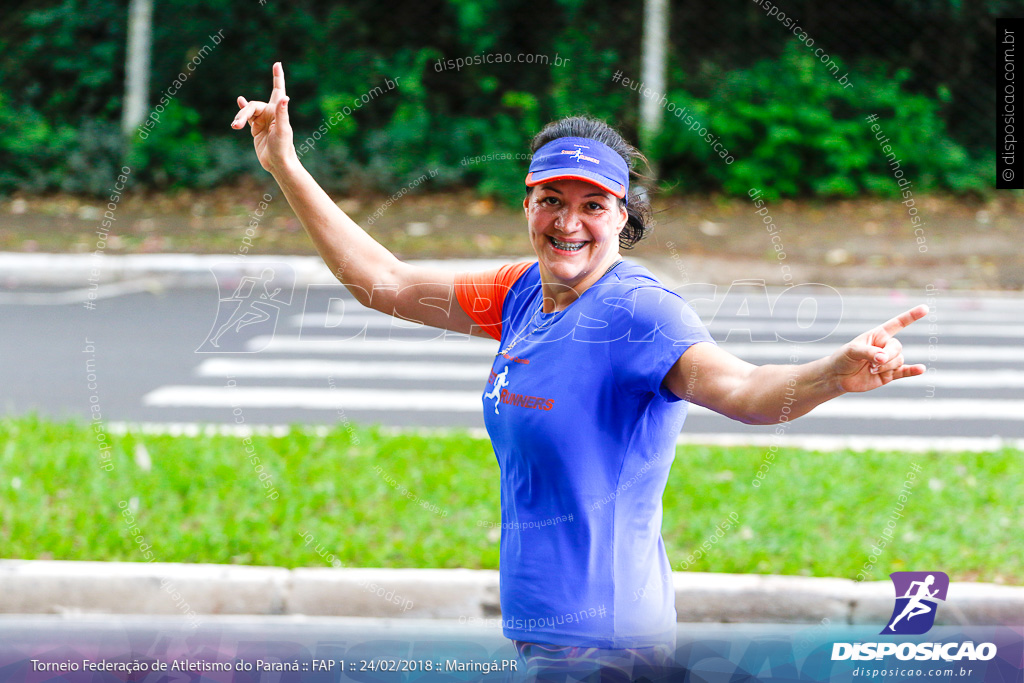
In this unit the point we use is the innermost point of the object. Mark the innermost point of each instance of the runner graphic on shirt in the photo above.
(500, 382)
(915, 606)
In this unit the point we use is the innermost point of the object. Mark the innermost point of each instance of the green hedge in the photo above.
(793, 131)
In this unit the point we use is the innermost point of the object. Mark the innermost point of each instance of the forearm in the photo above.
(776, 393)
(356, 259)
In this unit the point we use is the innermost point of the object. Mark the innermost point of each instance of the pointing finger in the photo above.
(278, 80)
(904, 319)
(242, 102)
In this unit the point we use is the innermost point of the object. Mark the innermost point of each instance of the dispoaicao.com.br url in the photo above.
(871, 673)
(498, 58)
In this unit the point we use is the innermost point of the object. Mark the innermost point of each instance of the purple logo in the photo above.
(917, 594)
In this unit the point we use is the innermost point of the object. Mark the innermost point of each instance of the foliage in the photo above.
(30, 148)
(172, 152)
(792, 129)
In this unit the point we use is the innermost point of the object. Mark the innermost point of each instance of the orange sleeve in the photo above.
(482, 294)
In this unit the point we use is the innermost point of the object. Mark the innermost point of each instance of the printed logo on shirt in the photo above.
(501, 395)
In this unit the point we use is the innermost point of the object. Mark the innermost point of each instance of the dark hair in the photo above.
(638, 210)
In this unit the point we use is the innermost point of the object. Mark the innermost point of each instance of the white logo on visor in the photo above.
(578, 155)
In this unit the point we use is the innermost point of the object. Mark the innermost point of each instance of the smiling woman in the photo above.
(578, 205)
(606, 361)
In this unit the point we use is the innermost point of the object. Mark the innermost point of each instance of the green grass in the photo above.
(814, 514)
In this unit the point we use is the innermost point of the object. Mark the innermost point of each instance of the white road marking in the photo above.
(355, 313)
(829, 443)
(313, 398)
(323, 369)
(443, 345)
(453, 345)
(813, 442)
(78, 296)
(781, 326)
(470, 401)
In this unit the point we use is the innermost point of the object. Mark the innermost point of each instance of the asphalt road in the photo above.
(319, 358)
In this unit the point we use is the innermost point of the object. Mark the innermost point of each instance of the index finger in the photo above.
(278, 71)
(904, 319)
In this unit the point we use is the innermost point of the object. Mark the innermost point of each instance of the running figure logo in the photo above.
(500, 382)
(253, 302)
(578, 154)
(914, 612)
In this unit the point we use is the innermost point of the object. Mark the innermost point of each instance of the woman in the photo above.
(584, 400)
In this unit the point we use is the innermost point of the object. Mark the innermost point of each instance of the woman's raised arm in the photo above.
(370, 272)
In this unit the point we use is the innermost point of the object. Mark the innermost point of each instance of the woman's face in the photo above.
(574, 228)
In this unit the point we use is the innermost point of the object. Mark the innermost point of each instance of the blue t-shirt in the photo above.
(585, 436)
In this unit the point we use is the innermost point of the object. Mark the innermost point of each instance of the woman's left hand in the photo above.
(875, 358)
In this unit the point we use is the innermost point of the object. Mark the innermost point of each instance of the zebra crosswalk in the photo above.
(339, 359)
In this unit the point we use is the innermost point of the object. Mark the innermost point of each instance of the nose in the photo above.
(568, 220)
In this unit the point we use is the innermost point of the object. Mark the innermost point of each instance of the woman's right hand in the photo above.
(268, 122)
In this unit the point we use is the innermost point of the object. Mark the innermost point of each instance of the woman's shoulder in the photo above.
(632, 277)
(504, 276)
(636, 292)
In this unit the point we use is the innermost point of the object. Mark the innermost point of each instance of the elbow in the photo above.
(378, 294)
(746, 411)
(763, 419)
(360, 294)
(755, 419)
(751, 408)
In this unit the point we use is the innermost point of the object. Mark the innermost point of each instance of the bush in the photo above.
(793, 130)
(32, 151)
(172, 153)
(94, 158)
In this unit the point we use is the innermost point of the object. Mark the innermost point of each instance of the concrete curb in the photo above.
(28, 269)
(48, 587)
(154, 272)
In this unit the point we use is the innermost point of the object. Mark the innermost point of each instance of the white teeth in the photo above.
(568, 246)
